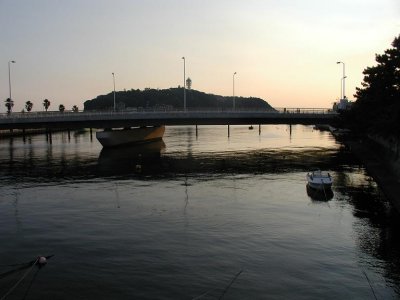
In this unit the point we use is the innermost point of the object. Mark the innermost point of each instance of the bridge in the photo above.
(119, 119)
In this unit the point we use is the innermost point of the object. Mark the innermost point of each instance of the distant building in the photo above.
(343, 104)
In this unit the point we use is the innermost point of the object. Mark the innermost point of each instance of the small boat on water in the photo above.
(319, 180)
(319, 195)
(127, 136)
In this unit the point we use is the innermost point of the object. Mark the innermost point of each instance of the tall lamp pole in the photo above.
(342, 85)
(234, 106)
(9, 75)
(114, 89)
(184, 83)
(343, 78)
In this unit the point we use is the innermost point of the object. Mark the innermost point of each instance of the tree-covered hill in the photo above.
(171, 99)
(377, 109)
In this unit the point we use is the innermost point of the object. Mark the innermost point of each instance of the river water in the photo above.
(194, 217)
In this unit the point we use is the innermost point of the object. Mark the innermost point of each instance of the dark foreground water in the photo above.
(207, 217)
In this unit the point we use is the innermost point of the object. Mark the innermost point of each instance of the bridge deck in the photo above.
(69, 120)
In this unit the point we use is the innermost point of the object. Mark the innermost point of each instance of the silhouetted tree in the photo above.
(189, 83)
(9, 104)
(28, 106)
(377, 108)
(75, 108)
(382, 82)
(61, 107)
(46, 104)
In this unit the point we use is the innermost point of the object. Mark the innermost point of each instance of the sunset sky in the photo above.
(284, 52)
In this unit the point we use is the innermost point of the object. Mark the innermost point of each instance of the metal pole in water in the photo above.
(184, 83)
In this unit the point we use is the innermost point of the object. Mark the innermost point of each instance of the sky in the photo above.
(284, 51)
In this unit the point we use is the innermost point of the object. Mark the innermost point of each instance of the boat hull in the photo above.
(319, 186)
(319, 195)
(114, 138)
(319, 181)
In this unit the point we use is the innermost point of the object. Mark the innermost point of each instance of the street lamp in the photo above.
(9, 75)
(343, 78)
(234, 90)
(184, 83)
(114, 88)
(342, 84)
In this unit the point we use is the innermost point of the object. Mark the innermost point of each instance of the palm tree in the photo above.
(61, 107)
(75, 108)
(46, 104)
(9, 104)
(28, 106)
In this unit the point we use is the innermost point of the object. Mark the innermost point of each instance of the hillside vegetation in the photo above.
(171, 99)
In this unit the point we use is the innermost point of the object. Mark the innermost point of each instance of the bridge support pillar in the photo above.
(229, 134)
(91, 134)
(259, 129)
(197, 132)
(69, 135)
(49, 138)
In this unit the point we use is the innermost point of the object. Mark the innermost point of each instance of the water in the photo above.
(206, 217)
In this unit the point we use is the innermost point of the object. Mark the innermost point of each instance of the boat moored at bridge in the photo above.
(127, 136)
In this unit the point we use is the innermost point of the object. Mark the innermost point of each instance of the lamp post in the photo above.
(234, 106)
(184, 83)
(343, 95)
(114, 89)
(342, 85)
(9, 75)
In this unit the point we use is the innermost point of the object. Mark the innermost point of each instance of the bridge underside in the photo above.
(85, 120)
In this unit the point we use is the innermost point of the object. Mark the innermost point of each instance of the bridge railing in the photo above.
(21, 115)
(305, 110)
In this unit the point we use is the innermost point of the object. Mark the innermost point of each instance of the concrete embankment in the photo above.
(382, 164)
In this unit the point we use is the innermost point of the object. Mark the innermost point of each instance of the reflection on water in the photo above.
(319, 195)
(82, 158)
(180, 217)
(147, 150)
(131, 158)
(52, 164)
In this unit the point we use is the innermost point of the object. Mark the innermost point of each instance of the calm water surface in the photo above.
(204, 217)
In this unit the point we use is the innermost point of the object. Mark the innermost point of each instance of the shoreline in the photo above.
(374, 157)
